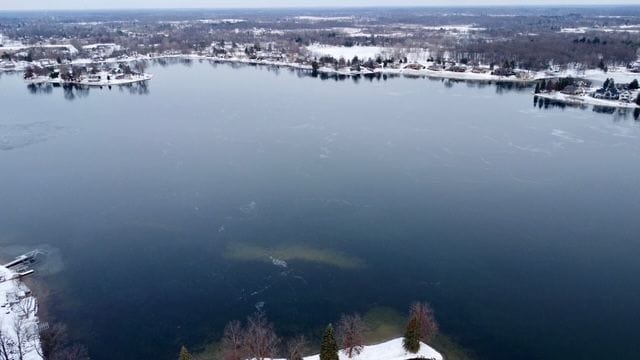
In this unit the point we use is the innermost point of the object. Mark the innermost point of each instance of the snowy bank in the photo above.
(100, 79)
(346, 52)
(390, 350)
(18, 320)
(586, 100)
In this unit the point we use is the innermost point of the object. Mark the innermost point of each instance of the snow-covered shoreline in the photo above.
(524, 76)
(389, 350)
(18, 316)
(586, 100)
(444, 74)
(102, 81)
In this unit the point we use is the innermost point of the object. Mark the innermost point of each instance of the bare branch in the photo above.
(350, 333)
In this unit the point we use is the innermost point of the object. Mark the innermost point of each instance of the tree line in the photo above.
(257, 338)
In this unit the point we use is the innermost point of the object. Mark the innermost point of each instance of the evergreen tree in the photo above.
(537, 90)
(184, 354)
(411, 341)
(633, 85)
(329, 346)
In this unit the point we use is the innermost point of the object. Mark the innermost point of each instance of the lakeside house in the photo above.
(479, 70)
(573, 90)
(625, 96)
(606, 94)
(503, 72)
(458, 68)
(436, 67)
(414, 66)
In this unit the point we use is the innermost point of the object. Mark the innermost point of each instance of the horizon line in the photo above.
(335, 7)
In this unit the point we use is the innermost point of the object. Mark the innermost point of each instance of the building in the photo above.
(606, 94)
(625, 96)
(414, 66)
(571, 90)
(503, 72)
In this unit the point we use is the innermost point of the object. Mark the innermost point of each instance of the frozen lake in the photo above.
(177, 207)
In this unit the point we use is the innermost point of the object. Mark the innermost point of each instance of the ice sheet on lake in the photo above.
(14, 136)
(278, 262)
(566, 136)
(250, 208)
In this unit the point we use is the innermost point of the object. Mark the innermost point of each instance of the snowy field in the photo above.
(634, 29)
(362, 52)
(91, 82)
(587, 100)
(455, 28)
(324, 18)
(390, 350)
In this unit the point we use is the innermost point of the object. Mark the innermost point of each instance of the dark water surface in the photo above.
(520, 225)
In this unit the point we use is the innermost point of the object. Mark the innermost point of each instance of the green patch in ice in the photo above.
(450, 349)
(383, 323)
(245, 252)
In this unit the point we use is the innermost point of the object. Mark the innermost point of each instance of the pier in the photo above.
(24, 259)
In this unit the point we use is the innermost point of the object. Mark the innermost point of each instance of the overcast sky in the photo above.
(137, 4)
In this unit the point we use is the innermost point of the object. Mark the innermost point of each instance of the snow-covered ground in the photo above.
(413, 55)
(105, 79)
(346, 52)
(390, 350)
(114, 81)
(468, 75)
(634, 29)
(101, 45)
(324, 18)
(18, 316)
(16, 47)
(619, 74)
(587, 100)
(455, 28)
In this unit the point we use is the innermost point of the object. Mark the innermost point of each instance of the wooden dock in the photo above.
(28, 258)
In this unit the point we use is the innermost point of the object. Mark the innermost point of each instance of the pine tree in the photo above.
(537, 90)
(329, 346)
(411, 341)
(184, 354)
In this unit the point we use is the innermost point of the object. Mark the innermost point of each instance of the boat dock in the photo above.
(20, 265)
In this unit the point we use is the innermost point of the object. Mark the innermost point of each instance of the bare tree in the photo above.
(233, 341)
(73, 352)
(5, 345)
(26, 307)
(350, 333)
(140, 66)
(53, 340)
(261, 341)
(21, 336)
(424, 315)
(296, 348)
